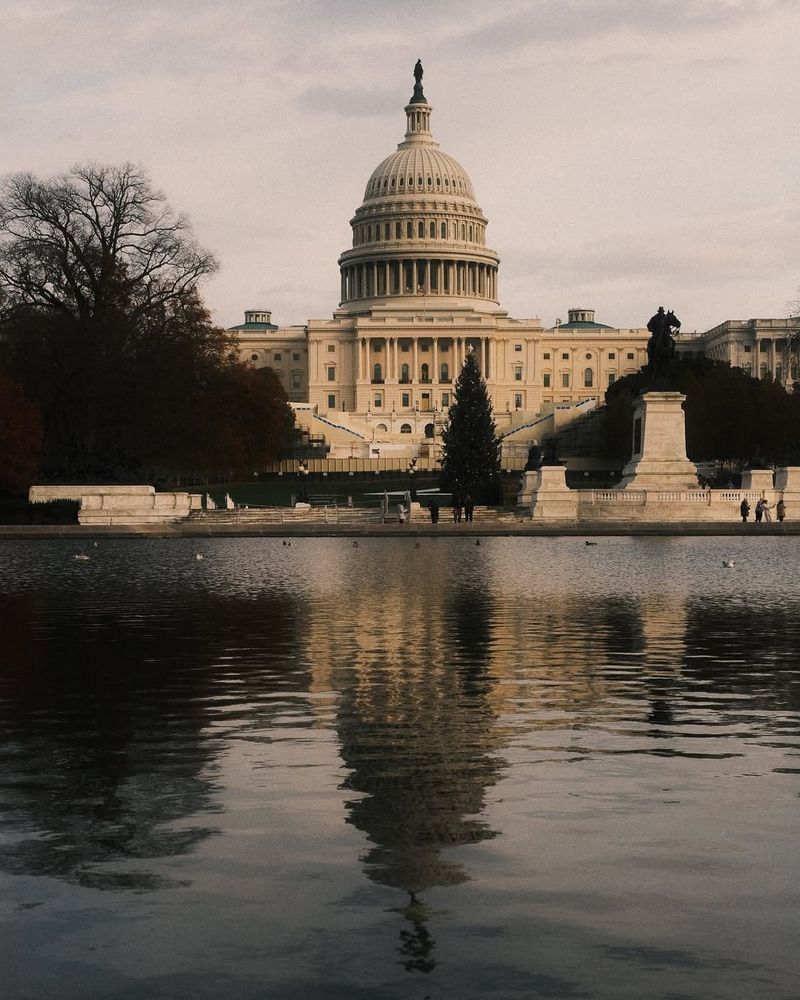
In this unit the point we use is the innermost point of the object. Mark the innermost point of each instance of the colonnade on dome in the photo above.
(418, 276)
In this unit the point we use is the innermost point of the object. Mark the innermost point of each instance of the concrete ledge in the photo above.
(417, 530)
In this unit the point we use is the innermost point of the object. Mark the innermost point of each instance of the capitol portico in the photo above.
(419, 290)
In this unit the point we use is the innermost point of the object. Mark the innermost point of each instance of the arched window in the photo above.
(432, 230)
(588, 378)
(377, 374)
(445, 372)
(381, 427)
(424, 372)
(421, 230)
(410, 230)
(386, 231)
(443, 230)
(463, 231)
(428, 430)
(398, 230)
(470, 233)
(405, 428)
(404, 376)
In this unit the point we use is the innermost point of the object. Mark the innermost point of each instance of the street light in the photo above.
(412, 468)
(302, 475)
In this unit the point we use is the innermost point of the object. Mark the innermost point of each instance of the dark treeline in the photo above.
(106, 346)
(730, 417)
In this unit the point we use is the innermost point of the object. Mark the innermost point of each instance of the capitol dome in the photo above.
(417, 167)
(419, 229)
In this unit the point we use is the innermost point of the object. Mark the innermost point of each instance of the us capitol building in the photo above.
(419, 291)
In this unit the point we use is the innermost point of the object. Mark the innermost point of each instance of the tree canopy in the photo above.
(730, 417)
(102, 324)
(20, 438)
(470, 446)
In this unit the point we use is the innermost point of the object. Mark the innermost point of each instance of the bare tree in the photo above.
(93, 241)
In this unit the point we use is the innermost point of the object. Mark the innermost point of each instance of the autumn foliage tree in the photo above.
(103, 326)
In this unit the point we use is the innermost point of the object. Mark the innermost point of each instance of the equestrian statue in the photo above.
(661, 345)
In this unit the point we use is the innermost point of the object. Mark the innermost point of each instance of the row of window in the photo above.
(386, 184)
(405, 373)
(444, 347)
(382, 231)
(405, 400)
(565, 355)
(405, 403)
(444, 375)
(278, 356)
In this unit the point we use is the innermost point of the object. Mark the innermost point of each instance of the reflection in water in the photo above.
(552, 763)
(419, 737)
(103, 711)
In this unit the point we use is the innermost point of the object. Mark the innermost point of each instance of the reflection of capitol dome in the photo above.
(419, 229)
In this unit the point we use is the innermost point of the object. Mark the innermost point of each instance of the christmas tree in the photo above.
(470, 447)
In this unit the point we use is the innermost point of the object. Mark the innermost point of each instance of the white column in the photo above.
(428, 277)
(436, 359)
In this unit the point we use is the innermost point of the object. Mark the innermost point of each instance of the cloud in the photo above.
(353, 102)
(549, 21)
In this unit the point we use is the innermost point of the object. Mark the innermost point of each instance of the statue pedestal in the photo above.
(757, 479)
(548, 494)
(659, 460)
(787, 480)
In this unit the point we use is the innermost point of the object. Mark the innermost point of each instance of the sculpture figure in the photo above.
(661, 345)
(418, 96)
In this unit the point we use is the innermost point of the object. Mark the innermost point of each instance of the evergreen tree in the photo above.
(471, 449)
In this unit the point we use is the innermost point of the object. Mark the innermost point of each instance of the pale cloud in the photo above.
(622, 150)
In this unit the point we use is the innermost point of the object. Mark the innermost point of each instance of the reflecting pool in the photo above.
(528, 768)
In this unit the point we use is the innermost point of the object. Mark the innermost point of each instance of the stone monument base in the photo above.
(549, 497)
(659, 460)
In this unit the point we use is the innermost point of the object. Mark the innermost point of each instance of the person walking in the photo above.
(780, 510)
(458, 506)
(744, 509)
(434, 509)
(469, 508)
(759, 510)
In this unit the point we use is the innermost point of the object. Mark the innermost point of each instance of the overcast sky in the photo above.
(627, 153)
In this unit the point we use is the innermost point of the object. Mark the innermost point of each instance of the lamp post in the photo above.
(412, 468)
(302, 475)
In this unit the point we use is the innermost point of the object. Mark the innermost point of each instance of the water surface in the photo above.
(526, 768)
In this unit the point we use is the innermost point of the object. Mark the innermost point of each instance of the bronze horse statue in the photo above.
(661, 345)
